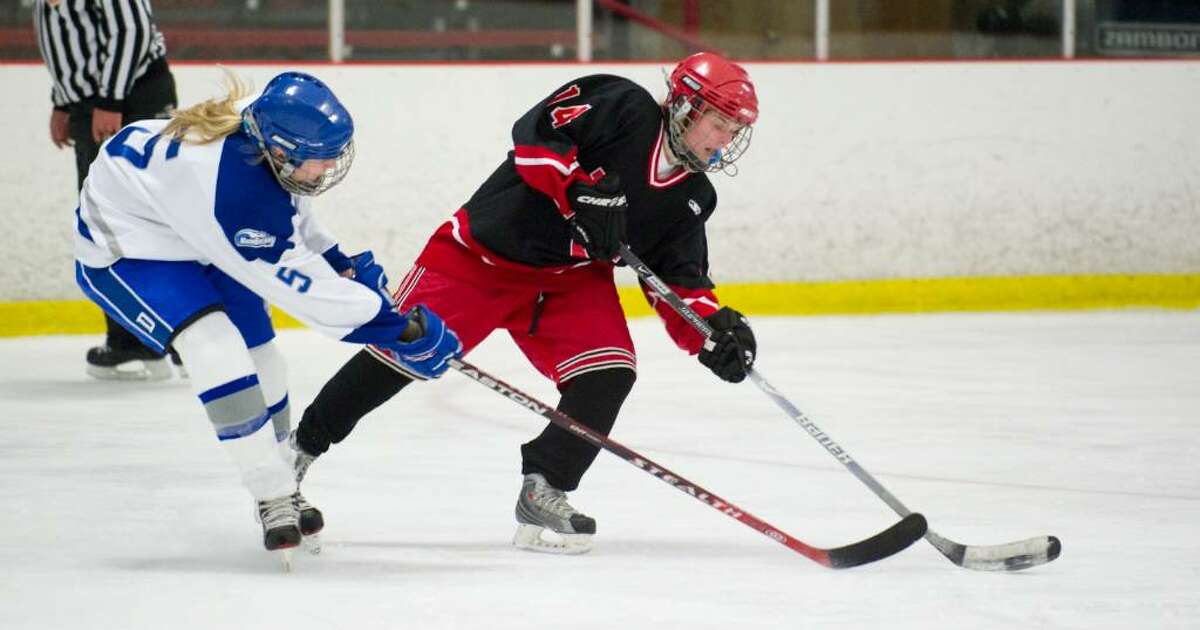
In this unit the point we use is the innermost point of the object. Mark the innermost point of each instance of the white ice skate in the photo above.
(547, 523)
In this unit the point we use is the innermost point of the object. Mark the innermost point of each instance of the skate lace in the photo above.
(276, 512)
(552, 500)
(303, 459)
(301, 503)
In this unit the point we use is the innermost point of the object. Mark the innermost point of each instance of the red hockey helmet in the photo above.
(701, 83)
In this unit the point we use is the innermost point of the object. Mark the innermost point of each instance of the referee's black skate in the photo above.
(139, 363)
(280, 520)
(177, 362)
(547, 523)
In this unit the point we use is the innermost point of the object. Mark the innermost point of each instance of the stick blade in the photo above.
(1013, 556)
(890, 541)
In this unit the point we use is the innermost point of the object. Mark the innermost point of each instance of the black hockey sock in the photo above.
(358, 388)
(594, 399)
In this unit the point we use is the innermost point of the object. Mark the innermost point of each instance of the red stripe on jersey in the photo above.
(549, 173)
(703, 301)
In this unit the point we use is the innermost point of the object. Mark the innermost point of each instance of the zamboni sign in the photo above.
(1141, 39)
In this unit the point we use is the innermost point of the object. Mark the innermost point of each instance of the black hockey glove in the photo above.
(599, 221)
(729, 352)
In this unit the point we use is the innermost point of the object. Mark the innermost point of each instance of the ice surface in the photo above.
(120, 511)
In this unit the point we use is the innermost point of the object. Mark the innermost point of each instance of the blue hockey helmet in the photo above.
(298, 118)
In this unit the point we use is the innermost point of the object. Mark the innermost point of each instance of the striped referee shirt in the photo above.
(96, 48)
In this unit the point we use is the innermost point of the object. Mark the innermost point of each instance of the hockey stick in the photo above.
(890, 541)
(1004, 557)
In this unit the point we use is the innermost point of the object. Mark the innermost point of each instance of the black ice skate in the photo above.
(311, 523)
(280, 520)
(126, 364)
(177, 362)
(311, 519)
(547, 523)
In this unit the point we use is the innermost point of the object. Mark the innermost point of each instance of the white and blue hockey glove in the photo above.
(370, 274)
(428, 354)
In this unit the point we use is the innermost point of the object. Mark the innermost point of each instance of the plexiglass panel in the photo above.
(545, 30)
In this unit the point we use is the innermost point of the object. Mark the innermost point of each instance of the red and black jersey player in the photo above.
(596, 163)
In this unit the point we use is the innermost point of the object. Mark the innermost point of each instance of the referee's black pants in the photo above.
(152, 96)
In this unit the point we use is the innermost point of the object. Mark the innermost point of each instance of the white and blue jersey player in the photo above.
(185, 230)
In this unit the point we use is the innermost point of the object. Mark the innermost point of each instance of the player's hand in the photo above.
(60, 128)
(599, 221)
(105, 123)
(427, 345)
(730, 351)
(369, 273)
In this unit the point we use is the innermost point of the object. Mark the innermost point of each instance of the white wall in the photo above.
(856, 170)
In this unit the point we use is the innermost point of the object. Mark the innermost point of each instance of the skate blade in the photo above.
(157, 370)
(285, 557)
(311, 544)
(542, 540)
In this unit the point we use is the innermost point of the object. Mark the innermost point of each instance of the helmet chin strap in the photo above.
(282, 168)
(678, 150)
(681, 156)
(669, 152)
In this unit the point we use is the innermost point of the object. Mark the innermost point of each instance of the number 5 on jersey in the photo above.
(290, 277)
(139, 159)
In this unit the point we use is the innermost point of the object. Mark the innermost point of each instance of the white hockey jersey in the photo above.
(150, 197)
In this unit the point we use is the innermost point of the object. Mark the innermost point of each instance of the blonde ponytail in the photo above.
(213, 119)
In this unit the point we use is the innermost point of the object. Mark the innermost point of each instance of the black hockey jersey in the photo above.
(592, 126)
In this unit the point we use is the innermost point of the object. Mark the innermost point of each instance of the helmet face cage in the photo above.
(283, 166)
(682, 112)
